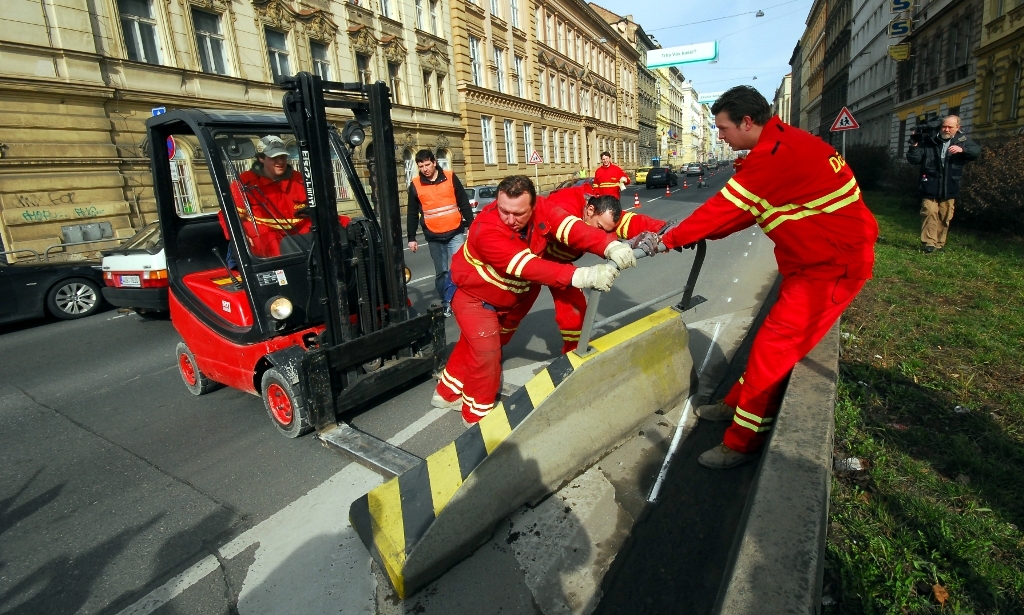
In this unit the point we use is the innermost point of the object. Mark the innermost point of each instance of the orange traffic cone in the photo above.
(685, 185)
(668, 192)
(636, 200)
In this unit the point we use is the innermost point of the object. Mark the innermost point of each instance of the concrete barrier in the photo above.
(778, 557)
(423, 522)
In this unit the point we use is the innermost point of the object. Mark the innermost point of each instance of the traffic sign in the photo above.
(535, 158)
(845, 121)
(898, 6)
(899, 27)
(159, 110)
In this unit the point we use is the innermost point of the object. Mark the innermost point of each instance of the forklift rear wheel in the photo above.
(284, 405)
(194, 379)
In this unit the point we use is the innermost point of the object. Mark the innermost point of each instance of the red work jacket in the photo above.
(498, 265)
(574, 201)
(606, 180)
(803, 195)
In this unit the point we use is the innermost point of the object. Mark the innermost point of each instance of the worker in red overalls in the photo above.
(497, 274)
(803, 195)
(601, 212)
(608, 178)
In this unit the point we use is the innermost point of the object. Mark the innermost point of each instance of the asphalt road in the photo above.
(121, 492)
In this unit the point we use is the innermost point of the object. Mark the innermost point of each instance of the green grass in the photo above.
(939, 509)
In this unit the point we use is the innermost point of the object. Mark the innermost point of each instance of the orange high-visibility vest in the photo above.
(437, 202)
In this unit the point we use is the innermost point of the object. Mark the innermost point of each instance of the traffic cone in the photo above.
(636, 200)
(685, 185)
(668, 192)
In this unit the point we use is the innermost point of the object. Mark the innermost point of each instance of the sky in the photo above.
(748, 46)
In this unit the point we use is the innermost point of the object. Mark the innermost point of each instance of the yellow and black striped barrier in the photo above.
(421, 523)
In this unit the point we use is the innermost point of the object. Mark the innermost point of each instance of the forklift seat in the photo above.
(216, 290)
(195, 244)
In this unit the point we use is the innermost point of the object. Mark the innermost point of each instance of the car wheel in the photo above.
(195, 381)
(285, 405)
(74, 298)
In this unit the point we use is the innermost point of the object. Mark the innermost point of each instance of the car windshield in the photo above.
(147, 239)
(489, 192)
(471, 193)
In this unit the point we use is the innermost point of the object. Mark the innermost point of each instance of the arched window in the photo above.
(990, 96)
(182, 184)
(444, 158)
(1011, 95)
(409, 158)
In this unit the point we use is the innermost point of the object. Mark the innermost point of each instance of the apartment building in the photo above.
(79, 78)
(797, 86)
(1000, 56)
(813, 71)
(836, 74)
(939, 77)
(544, 77)
(782, 104)
(872, 73)
(670, 116)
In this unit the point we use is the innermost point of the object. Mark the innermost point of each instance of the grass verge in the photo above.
(931, 397)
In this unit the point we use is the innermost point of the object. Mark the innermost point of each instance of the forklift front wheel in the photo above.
(284, 405)
(194, 379)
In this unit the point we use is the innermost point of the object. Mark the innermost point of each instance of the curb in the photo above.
(778, 558)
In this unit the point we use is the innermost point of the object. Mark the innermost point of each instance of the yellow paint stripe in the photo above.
(633, 329)
(494, 428)
(385, 506)
(445, 476)
(539, 387)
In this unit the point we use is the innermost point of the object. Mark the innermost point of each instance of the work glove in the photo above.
(647, 241)
(620, 254)
(598, 277)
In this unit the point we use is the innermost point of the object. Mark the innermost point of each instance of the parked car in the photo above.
(661, 176)
(481, 196)
(571, 183)
(68, 290)
(135, 273)
(695, 168)
(641, 175)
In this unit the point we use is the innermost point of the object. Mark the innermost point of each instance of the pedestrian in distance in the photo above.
(941, 154)
(802, 194)
(438, 201)
(497, 275)
(608, 178)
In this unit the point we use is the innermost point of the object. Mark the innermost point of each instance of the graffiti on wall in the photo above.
(45, 200)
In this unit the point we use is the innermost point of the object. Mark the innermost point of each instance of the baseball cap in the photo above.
(273, 146)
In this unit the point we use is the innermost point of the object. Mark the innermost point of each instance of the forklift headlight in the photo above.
(280, 308)
(408, 275)
(353, 134)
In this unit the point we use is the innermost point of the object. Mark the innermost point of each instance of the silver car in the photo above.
(481, 196)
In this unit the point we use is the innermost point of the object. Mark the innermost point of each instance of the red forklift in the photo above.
(323, 324)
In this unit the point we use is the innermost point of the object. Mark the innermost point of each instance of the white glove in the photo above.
(599, 277)
(620, 254)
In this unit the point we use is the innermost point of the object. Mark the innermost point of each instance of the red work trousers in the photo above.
(473, 371)
(807, 307)
(570, 307)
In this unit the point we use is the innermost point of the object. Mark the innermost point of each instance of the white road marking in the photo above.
(426, 277)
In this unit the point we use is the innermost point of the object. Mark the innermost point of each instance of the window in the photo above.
(549, 26)
(210, 42)
(428, 94)
(544, 144)
(420, 17)
(562, 103)
(540, 24)
(395, 81)
(541, 79)
(565, 144)
(1014, 98)
(487, 134)
(474, 61)
(363, 68)
(433, 18)
(990, 92)
(579, 48)
(321, 61)
(527, 139)
(389, 9)
(520, 82)
(495, 8)
(182, 183)
(442, 96)
(499, 68)
(139, 28)
(554, 89)
(409, 160)
(514, 10)
(558, 149)
(560, 33)
(277, 50)
(576, 147)
(510, 142)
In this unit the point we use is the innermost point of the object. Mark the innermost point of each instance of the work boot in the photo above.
(929, 249)
(716, 412)
(722, 458)
(439, 402)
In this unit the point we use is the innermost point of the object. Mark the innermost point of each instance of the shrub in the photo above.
(992, 190)
(869, 164)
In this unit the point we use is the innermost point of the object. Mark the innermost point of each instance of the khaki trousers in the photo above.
(935, 218)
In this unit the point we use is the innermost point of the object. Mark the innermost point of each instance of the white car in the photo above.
(135, 274)
(481, 196)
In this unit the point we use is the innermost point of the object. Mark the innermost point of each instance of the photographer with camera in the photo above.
(941, 151)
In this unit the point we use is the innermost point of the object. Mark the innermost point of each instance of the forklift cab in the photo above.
(312, 314)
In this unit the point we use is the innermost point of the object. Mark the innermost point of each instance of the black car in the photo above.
(661, 176)
(66, 290)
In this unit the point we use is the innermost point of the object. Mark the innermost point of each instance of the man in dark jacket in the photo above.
(942, 157)
(438, 201)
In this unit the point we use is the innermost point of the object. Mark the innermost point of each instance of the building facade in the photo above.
(670, 116)
(872, 73)
(939, 77)
(782, 105)
(836, 74)
(796, 84)
(80, 77)
(813, 71)
(1000, 56)
(547, 77)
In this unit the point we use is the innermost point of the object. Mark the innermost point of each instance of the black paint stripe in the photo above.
(470, 449)
(559, 370)
(359, 517)
(417, 503)
(518, 407)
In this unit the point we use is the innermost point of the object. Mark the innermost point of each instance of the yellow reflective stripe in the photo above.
(608, 184)
(812, 206)
(451, 382)
(753, 417)
(623, 229)
(796, 216)
(562, 234)
(843, 203)
(515, 259)
(736, 200)
(753, 198)
(828, 197)
(442, 210)
(489, 275)
(512, 330)
(738, 421)
(557, 252)
(522, 263)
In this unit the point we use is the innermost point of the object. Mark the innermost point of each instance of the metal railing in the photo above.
(45, 256)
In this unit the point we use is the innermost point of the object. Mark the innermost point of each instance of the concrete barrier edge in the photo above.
(778, 557)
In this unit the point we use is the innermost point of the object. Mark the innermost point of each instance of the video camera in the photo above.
(927, 131)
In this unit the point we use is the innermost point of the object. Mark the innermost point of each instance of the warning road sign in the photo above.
(535, 158)
(845, 121)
